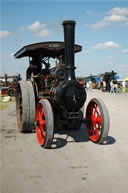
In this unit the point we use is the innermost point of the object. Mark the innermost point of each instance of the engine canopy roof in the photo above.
(44, 49)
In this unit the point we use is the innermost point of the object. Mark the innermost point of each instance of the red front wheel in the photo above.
(44, 123)
(98, 128)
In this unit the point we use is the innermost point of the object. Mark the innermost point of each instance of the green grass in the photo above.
(126, 90)
(3, 105)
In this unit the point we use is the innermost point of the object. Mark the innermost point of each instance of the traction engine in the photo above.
(52, 96)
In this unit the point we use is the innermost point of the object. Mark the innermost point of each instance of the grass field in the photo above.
(126, 90)
(3, 105)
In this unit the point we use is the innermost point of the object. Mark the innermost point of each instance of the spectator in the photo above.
(124, 86)
(90, 85)
(111, 87)
(82, 83)
(104, 85)
(118, 87)
(87, 86)
(115, 86)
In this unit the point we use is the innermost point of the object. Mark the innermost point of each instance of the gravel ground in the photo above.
(74, 164)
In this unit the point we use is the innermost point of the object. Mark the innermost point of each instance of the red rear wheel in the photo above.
(99, 126)
(44, 123)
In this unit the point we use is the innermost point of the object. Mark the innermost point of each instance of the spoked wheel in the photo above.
(44, 123)
(25, 106)
(98, 126)
(12, 92)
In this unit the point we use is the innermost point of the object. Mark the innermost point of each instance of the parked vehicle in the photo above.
(94, 80)
(105, 79)
(8, 84)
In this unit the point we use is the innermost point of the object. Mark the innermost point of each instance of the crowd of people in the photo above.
(116, 87)
(88, 86)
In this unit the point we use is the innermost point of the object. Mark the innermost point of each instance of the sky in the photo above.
(101, 29)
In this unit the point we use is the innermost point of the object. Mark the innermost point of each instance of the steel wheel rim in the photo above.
(95, 128)
(41, 126)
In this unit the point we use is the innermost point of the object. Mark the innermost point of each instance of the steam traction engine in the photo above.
(50, 96)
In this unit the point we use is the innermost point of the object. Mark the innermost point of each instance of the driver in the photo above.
(46, 70)
(33, 68)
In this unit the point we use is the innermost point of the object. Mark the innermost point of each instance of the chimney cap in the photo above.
(68, 22)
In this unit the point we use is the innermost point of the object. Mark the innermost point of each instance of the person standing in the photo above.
(118, 87)
(115, 87)
(90, 85)
(87, 86)
(111, 87)
(124, 86)
(81, 82)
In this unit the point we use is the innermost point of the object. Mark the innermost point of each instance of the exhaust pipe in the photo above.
(69, 94)
(69, 39)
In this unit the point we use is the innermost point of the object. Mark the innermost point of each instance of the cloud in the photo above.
(22, 28)
(86, 25)
(36, 26)
(39, 29)
(118, 11)
(125, 24)
(87, 52)
(115, 15)
(11, 54)
(116, 18)
(43, 33)
(106, 45)
(88, 12)
(125, 51)
(4, 33)
(99, 24)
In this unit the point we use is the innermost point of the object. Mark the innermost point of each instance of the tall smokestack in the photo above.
(69, 39)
